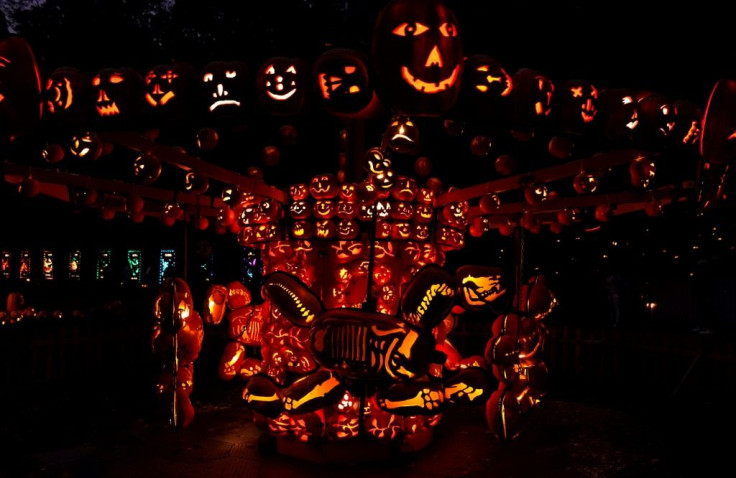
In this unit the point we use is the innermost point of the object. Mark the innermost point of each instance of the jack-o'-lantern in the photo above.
(486, 89)
(347, 229)
(324, 186)
(379, 169)
(67, 95)
(20, 88)
(405, 189)
(216, 305)
(656, 119)
(118, 95)
(281, 85)
(688, 121)
(344, 84)
(402, 211)
(196, 182)
(402, 135)
(347, 209)
(642, 171)
(298, 192)
(531, 99)
(300, 210)
(324, 209)
(169, 90)
(619, 115)
(225, 89)
(348, 192)
(717, 143)
(347, 251)
(302, 230)
(585, 183)
(324, 229)
(423, 213)
(418, 56)
(86, 146)
(420, 232)
(576, 106)
(480, 286)
(401, 231)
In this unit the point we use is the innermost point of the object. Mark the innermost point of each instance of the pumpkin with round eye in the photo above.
(379, 169)
(281, 85)
(67, 95)
(300, 209)
(118, 95)
(169, 90)
(576, 106)
(418, 56)
(487, 86)
(344, 84)
(402, 135)
(225, 88)
(348, 192)
(531, 98)
(405, 189)
(298, 192)
(20, 88)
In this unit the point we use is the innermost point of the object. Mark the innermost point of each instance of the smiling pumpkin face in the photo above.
(281, 86)
(418, 56)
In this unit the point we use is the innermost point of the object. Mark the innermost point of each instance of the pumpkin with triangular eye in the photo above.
(344, 86)
(20, 89)
(418, 56)
(67, 95)
(169, 90)
(486, 88)
(281, 85)
(225, 89)
(118, 96)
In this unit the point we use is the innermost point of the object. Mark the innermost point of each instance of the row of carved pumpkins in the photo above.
(342, 77)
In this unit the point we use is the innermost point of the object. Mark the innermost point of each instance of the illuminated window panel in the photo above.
(5, 265)
(135, 271)
(166, 259)
(75, 265)
(206, 268)
(48, 265)
(104, 263)
(24, 271)
(252, 265)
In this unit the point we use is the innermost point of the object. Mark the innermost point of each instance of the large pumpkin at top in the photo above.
(20, 88)
(418, 56)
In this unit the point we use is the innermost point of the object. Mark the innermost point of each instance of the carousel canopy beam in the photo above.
(186, 162)
(595, 164)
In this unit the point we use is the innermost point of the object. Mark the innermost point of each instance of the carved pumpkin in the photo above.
(717, 143)
(20, 88)
(480, 286)
(531, 99)
(281, 85)
(118, 95)
(169, 90)
(402, 135)
(486, 89)
(344, 84)
(619, 115)
(418, 56)
(324, 186)
(576, 106)
(67, 95)
(225, 89)
(656, 119)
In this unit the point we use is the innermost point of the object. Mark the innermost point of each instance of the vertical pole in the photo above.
(519, 253)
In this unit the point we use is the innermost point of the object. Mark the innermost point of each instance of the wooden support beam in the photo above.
(186, 162)
(596, 164)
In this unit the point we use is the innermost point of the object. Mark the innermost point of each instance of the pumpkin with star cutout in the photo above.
(418, 56)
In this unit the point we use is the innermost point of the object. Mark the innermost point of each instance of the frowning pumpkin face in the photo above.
(418, 56)
(225, 88)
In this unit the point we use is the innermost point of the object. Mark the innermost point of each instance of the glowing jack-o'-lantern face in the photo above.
(323, 186)
(348, 192)
(347, 209)
(531, 97)
(20, 88)
(379, 168)
(225, 87)
(487, 87)
(298, 192)
(418, 55)
(344, 83)
(86, 146)
(67, 94)
(619, 114)
(168, 88)
(402, 135)
(347, 251)
(281, 86)
(576, 105)
(300, 210)
(657, 117)
(324, 209)
(347, 229)
(118, 93)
